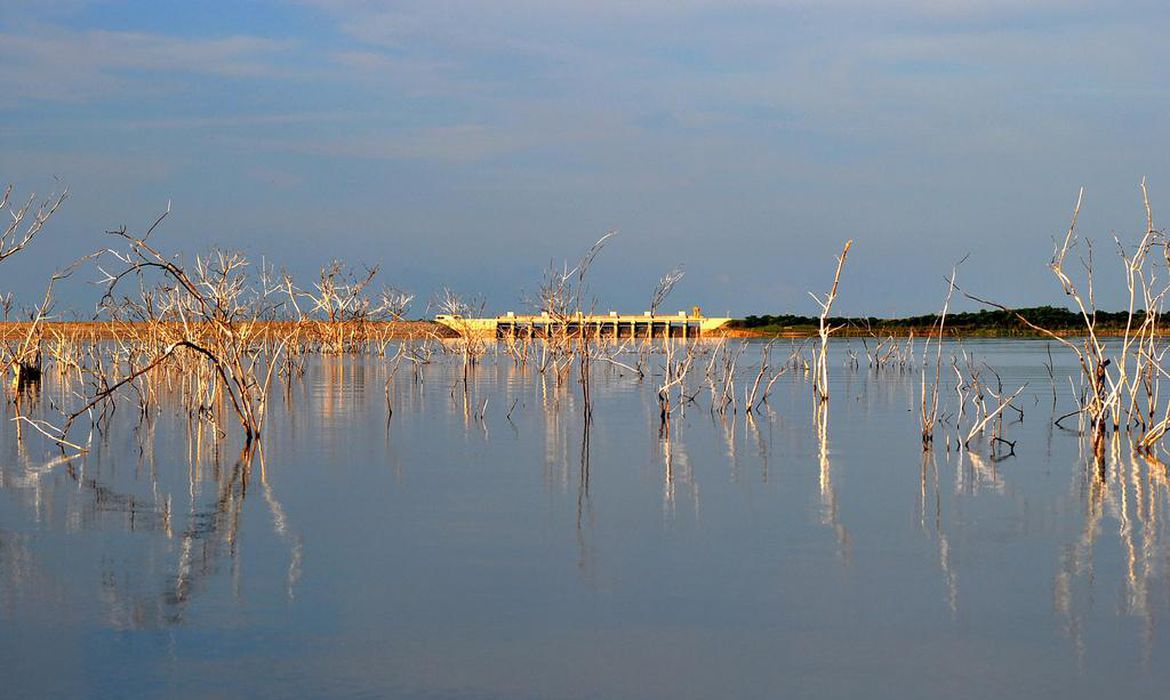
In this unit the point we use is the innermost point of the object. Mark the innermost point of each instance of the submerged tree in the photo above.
(24, 223)
(664, 287)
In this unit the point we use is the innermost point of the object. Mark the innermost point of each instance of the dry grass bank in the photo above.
(353, 330)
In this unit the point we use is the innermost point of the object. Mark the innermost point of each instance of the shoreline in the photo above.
(413, 330)
(902, 332)
(113, 330)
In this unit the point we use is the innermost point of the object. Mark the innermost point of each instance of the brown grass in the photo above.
(356, 330)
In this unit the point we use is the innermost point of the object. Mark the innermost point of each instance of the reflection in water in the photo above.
(342, 387)
(761, 443)
(585, 522)
(930, 502)
(91, 494)
(20, 575)
(727, 427)
(558, 413)
(280, 527)
(1130, 491)
(983, 474)
(466, 563)
(829, 511)
(210, 529)
(676, 472)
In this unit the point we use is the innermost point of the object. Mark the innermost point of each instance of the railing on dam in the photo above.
(614, 325)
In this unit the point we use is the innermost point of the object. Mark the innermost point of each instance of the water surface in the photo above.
(522, 553)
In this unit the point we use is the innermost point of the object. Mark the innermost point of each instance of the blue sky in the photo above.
(469, 143)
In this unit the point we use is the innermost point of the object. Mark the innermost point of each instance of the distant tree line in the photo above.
(1050, 317)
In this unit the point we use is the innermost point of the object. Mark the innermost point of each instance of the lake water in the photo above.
(520, 555)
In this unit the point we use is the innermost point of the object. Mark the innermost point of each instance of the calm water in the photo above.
(449, 556)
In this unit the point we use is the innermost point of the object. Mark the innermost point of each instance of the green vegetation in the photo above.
(986, 322)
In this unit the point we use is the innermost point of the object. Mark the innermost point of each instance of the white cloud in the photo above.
(761, 118)
(392, 23)
(57, 63)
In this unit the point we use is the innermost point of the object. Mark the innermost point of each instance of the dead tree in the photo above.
(664, 287)
(208, 310)
(24, 223)
(20, 229)
(821, 377)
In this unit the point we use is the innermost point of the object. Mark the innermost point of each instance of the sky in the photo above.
(471, 144)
